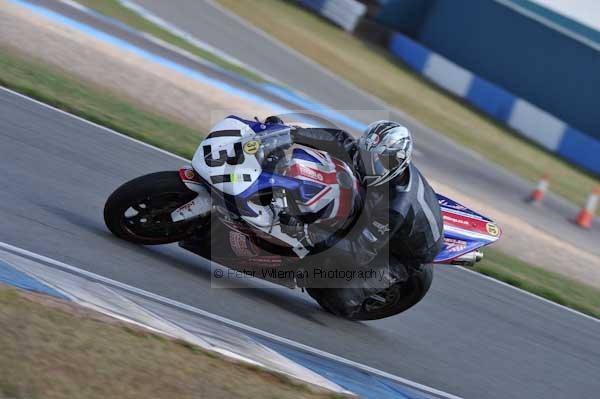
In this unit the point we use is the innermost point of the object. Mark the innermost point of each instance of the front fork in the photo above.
(201, 205)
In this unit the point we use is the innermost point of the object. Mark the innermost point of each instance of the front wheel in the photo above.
(396, 299)
(140, 210)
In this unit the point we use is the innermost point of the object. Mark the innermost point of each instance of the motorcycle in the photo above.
(248, 198)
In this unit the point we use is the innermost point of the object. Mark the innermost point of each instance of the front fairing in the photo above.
(231, 163)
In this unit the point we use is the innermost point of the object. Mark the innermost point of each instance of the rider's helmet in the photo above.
(383, 152)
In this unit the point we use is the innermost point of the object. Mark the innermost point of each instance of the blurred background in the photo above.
(527, 64)
(501, 97)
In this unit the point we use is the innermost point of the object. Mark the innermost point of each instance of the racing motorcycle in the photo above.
(248, 198)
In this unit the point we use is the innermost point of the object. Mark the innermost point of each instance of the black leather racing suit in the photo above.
(398, 230)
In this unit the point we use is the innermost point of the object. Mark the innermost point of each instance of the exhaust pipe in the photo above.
(469, 259)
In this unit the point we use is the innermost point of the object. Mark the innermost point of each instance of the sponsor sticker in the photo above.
(452, 205)
(251, 147)
(311, 173)
(453, 245)
(240, 244)
(381, 228)
(455, 220)
(189, 174)
(492, 229)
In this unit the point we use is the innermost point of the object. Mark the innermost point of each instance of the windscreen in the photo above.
(271, 144)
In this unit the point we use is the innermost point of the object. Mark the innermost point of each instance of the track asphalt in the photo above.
(470, 336)
(437, 157)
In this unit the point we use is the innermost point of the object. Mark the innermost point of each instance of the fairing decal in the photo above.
(464, 230)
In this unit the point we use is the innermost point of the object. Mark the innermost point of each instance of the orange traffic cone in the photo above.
(540, 191)
(586, 215)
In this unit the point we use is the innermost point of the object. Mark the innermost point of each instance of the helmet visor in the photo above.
(373, 164)
(375, 167)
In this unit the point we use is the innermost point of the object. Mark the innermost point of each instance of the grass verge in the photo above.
(113, 9)
(55, 87)
(52, 86)
(374, 70)
(54, 349)
(546, 284)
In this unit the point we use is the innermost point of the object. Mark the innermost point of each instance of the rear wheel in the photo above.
(396, 299)
(140, 210)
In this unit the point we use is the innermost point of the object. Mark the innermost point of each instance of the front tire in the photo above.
(398, 298)
(140, 210)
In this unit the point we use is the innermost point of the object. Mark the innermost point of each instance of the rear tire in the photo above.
(140, 210)
(399, 298)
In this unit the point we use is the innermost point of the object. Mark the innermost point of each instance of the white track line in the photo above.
(240, 326)
(93, 124)
(299, 55)
(189, 38)
(187, 161)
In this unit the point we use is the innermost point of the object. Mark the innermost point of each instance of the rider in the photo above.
(400, 227)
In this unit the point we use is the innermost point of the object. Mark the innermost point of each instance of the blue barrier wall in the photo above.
(500, 104)
(534, 61)
(404, 15)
